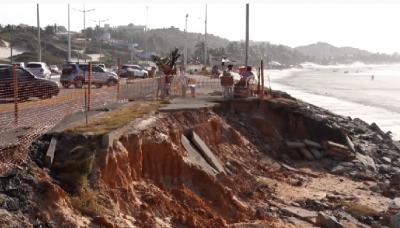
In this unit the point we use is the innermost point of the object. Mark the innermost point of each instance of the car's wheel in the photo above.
(78, 84)
(145, 75)
(99, 86)
(66, 85)
(112, 82)
(46, 96)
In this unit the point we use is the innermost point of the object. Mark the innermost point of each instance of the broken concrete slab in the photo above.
(311, 143)
(337, 149)
(295, 211)
(327, 221)
(195, 158)
(350, 143)
(367, 161)
(206, 152)
(306, 153)
(294, 144)
(317, 155)
(50, 153)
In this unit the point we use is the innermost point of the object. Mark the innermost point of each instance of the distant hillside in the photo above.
(325, 53)
(162, 41)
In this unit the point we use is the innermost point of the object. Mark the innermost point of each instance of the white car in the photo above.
(129, 70)
(39, 69)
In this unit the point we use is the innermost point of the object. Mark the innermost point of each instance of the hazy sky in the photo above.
(368, 24)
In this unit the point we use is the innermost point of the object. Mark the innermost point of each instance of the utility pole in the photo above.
(69, 37)
(11, 44)
(247, 35)
(205, 39)
(185, 51)
(38, 28)
(84, 11)
(101, 37)
(145, 36)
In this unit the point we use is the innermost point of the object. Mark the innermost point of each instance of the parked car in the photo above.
(40, 69)
(5, 66)
(29, 85)
(54, 69)
(77, 74)
(135, 71)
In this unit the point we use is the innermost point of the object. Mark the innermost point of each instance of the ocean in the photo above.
(368, 92)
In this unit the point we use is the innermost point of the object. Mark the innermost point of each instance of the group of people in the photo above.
(228, 81)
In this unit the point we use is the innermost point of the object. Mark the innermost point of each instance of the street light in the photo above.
(101, 37)
(84, 11)
(185, 50)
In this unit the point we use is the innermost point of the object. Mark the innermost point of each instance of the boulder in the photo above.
(367, 161)
(327, 221)
(395, 220)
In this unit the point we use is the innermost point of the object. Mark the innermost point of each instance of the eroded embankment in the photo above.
(240, 163)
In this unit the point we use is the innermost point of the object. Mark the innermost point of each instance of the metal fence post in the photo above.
(89, 86)
(258, 81)
(118, 69)
(15, 85)
(262, 78)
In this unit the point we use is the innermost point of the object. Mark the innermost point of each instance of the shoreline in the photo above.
(370, 113)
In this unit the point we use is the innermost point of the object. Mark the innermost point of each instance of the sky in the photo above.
(367, 24)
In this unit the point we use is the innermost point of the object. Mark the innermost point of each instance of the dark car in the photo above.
(28, 85)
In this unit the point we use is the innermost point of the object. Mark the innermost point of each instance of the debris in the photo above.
(294, 144)
(311, 143)
(350, 144)
(367, 161)
(306, 153)
(337, 149)
(195, 157)
(327, 221)
(206, 152)
(395, 220)
(317, 155)
(50, 153)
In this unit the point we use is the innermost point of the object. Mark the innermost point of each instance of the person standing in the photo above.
(227, 81)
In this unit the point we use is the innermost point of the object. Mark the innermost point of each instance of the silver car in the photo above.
(135, 71)
(77, 74)
(39, 69)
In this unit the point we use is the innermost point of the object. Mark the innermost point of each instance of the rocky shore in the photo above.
(277, 162)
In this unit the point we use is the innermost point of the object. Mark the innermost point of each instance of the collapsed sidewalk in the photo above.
(262, 163)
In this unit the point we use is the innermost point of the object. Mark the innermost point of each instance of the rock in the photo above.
(350, 144)
(395, 180)
(290, 144)
(376, 128)
(395, 204)
(386, 160)
(306, 153)
(395, 220)
(367, 161)
(102, 222)
(326, 221)
(317, 155)
(311, 143)
(339, 169)
(360, 210)
(337, 149)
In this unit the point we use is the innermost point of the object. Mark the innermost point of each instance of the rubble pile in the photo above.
(276, 162)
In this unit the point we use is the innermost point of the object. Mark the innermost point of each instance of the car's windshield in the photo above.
(34, 65)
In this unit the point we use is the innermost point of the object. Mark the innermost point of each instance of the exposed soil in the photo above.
(148, 178)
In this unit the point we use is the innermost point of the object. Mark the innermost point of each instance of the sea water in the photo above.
(368, 92)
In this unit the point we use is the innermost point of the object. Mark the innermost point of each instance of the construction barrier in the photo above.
(30, 107)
